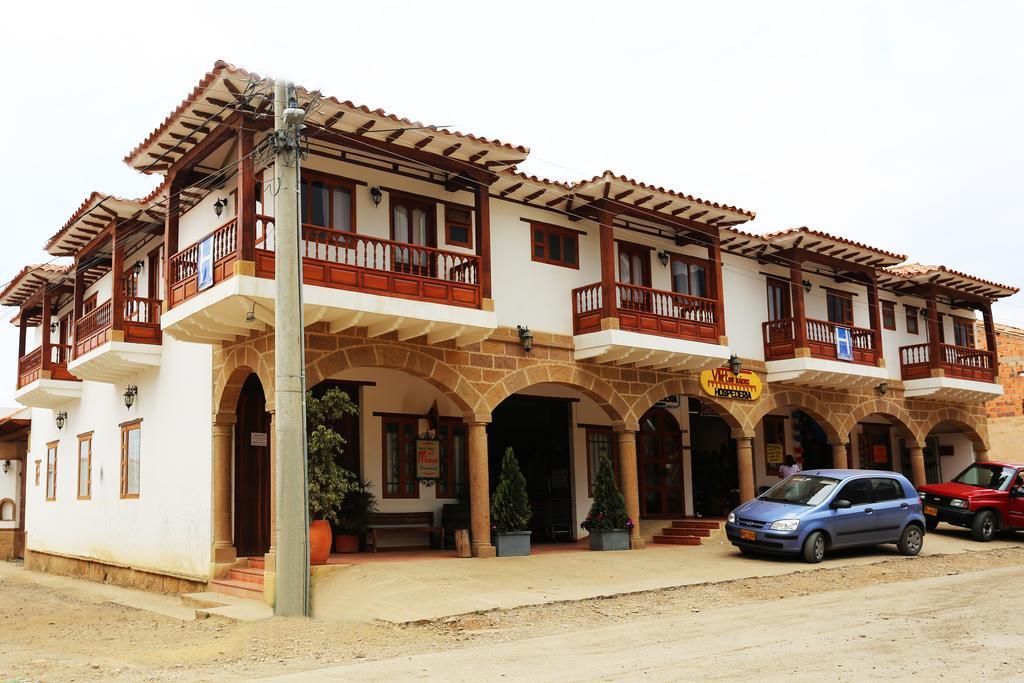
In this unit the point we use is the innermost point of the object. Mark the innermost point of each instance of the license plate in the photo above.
(748, 535)
(931, 511)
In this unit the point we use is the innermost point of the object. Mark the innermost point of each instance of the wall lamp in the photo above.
(220, 205)
(663, 256)
(137, 268)
(735, 364)
(53, 327)
(807, 286)
(525, 337)
(376, 195)
(61, 418)
(129, 396)
(882, 388)
(7, 466)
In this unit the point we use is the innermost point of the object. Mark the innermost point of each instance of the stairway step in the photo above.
(246, 574)
(676, 531)
(256, 562)
(695, 524)
(240, 589)
(677, 540)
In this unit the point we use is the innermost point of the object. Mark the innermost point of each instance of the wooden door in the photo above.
(876, 447)
(252, 471)
(635, 270)
(660, 464)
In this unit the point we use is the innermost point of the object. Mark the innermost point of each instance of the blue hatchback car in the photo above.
(812, 512)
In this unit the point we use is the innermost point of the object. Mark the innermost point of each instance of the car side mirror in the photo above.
(840, 504)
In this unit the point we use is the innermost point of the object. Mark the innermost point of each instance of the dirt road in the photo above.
(73, 632)
(960, 626)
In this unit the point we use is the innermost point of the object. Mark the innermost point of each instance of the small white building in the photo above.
(426, 256)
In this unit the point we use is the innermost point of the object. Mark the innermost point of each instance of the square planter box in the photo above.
(613, 539)
(512, 544)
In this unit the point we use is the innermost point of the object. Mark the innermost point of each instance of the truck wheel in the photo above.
(984, 526)
(911, 540)
(814, 548)
(931, 523)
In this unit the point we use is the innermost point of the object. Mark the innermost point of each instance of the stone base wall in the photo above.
(103, 572)
(480, 376)
(12, 544)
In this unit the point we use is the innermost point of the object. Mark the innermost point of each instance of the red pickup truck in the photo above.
(987, 497)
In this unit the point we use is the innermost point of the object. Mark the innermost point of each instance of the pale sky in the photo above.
(898, 124)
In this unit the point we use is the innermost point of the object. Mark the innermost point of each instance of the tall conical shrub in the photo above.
(608, 511)
(510, 507)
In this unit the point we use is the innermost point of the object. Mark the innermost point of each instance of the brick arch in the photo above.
(974, 429)
(819, 410)
(887, 408)
(238, 364)
(689, 387)
(584, 381)
(434, 371)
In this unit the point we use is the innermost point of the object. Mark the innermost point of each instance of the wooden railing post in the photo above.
(609, 302)
(246, 196)
(117, 286)
(990, 336)
(796, 280)
(170, 235)
(873, 314)
(482, 211)
(934, 349)
(21, 333)
(715, 256)
(45, 330)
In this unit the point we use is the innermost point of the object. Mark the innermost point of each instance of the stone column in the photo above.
(745, 465)
(917, 473)
(223, 544)
(479, 491)
(630, 484)
(981, 454)
(840, 456)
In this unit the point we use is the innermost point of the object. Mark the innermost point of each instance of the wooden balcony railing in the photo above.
(344, 260)
(961, 362)
(33, 363)
(184, 266)
(140, 318)
(650, 311)
(780, 341)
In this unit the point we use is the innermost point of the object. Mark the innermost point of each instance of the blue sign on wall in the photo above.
(844, 343)
(204, 278)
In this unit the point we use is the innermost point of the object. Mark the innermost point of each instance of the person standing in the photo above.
(789, 467)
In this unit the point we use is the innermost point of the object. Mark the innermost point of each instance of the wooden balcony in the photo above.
(44, 380)
(103, 355)
(354, 279)
(958, 373)
(679, 319)
(780, 341)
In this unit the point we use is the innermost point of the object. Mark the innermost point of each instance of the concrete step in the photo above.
(246, 574)
(256, 562)
(676, 531)
(240, 589)
(695, 524)
(677, 540)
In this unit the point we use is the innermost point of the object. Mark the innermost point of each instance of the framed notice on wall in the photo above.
(204, 265)
(428, 459)
(774, 454)
(844, 343)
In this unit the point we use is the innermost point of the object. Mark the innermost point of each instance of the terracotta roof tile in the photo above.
(824, 235)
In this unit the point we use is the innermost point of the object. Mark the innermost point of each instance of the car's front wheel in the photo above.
(911, 540)
(983, 528)
(931, 523)
(814, 548)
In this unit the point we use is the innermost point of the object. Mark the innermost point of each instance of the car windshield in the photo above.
(801, 489)
(985, 476)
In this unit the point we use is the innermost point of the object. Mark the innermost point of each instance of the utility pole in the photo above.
(292, 577)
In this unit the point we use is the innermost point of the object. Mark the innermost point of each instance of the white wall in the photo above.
(10, 482)
(169, 526)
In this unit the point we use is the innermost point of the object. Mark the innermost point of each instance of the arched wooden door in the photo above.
(252, 471)
(659, 452)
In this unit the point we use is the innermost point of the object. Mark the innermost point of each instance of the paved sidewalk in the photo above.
(413, 590)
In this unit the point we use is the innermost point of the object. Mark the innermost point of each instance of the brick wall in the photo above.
(1010, 345)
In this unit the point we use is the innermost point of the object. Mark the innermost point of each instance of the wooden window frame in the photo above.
(630, 249)
(326, 178)
(887, 311)
(400, 420)
(447, 485)
(82, 438)
(51, 468)
(409, 200)
(786, 299)
(769, 471)
(968, 325)
(448, 223)
(90, 303)
(614, 455)
(126, 429)
(847, 306)
(912, 313)
(564, 234)
(690, 261)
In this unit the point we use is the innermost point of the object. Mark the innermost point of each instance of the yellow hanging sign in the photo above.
(721, 383)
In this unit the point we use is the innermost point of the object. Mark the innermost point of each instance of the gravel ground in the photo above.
(58, 635)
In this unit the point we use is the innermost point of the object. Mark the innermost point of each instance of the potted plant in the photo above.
(329, 483)
(354, 517)
(607, 521)
(510, 510)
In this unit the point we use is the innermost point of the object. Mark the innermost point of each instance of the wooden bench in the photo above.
(389, 523)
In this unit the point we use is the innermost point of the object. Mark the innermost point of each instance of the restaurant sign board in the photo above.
(722, 383)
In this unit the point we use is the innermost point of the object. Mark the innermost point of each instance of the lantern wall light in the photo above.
(220, 205)
(61, 418)
(663, 256)
(7, 466)
(735, 364)
(525, 337)
(129, 396)
(807, 286)
(376, 195)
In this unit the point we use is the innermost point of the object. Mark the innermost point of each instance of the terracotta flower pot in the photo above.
(319, 541)
(346, 543)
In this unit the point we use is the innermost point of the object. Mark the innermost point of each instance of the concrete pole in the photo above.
(630, 485)
(292, 561)
(745, 464)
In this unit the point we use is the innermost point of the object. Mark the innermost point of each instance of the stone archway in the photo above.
(973, 429)
(687, 387)
(887, 408)
(820, 411)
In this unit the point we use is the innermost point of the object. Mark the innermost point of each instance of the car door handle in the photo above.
(904, 506)
(869, 510)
